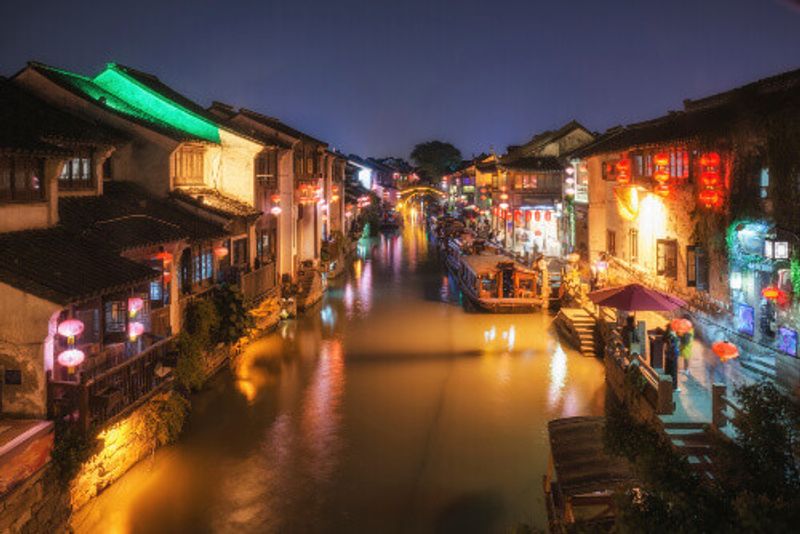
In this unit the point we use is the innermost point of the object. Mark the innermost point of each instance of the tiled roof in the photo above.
(127, 217)
(546, 164)
(272, 122)
(226, 115)
(61, 267)
(215, 201)
(549, 136)
(29, 124)
(88, 90)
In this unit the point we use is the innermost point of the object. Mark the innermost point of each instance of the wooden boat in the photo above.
(498, 284)
(581, 478)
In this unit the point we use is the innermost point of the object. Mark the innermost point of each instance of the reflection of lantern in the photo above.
(135, 329)
(70, 329)
(662, 190)
(135, 304)
(504, 205)
(503, 196)
(71, 358)
(528, 216)
(538, 233)
(548, 215)
(710, 178)
(770, 293)
(518, 216)
(220, 251)
(661, 176)
(537, 215)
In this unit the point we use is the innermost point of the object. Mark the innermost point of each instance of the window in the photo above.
(115, 311)
(202, 265)
(633, 244)
(696, 268)
(187, 165)
(611, 242)
(266, 165)
(667, 258)
(21, 179)
(679, 163)
(77, 174)
(265, 243)
(764, 183)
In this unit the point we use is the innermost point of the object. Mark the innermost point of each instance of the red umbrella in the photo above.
(635, 297)
(680, 326)
(725, 350)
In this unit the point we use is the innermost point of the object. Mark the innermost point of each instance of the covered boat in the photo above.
(498, 284)
(581, 477)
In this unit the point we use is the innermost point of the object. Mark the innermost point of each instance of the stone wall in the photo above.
(38, 505)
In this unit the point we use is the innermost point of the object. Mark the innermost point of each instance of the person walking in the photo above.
(672, 356)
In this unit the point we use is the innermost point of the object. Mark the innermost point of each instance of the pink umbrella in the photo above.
(635, 297)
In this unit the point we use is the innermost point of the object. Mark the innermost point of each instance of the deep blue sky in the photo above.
(376, 77)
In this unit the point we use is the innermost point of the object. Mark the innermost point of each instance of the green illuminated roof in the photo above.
(130, 89)
(89, 90)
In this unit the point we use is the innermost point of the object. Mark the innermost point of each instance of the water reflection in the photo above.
(388, 408)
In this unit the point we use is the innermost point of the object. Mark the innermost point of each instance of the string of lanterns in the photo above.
(71, 357)
(711, 193)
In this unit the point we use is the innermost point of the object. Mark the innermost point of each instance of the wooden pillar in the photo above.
(718, 419)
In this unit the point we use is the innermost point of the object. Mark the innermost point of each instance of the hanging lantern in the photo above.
(70, 329)
(661, 176)
(504, 205)
(662, 190)
(71, 358)
(710, 178)
(710, 159)
(771, 293)
(275, 210)
(518, 216)
(710, 198)
(503, 196)
(538, 233)
(548, 215)
(528, 216)
(221, 251)
(167, 277)
(661, 159)
(275, 199)
(135, 304)
(537, 215)
(623, 168)
(135, 329)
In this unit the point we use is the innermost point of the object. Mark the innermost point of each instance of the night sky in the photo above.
(375, 77)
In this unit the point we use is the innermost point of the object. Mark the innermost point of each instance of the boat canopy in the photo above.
(581, 463)
(481, 264)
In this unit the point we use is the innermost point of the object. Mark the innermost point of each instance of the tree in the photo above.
(435, 159)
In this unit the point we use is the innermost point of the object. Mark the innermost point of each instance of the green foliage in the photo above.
(794, 267)
(756, 484)
(233, 319)
(190, 369)
(370, 217)
(435, 158)
(165, 417)
(201, 320)
(71, 448)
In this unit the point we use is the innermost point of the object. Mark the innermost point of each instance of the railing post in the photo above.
(718, 417)
(665, 391)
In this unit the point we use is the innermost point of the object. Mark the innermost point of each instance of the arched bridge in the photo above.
(415, 190)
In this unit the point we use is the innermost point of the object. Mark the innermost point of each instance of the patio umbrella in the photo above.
(725, 350)
(635, 297)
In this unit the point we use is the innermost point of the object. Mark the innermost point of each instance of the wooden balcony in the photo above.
(110, 385)
(259, 283)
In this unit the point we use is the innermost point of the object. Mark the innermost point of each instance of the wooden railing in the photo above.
(723, 409)
(258, 283)
(111, 387)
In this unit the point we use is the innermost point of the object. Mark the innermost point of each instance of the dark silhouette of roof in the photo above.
(280, 126)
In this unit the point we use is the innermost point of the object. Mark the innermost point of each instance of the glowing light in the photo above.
(70, 328)
(503, 205)
(221, 251)
(661, 159)
(736, 280)
(71, 358)
(135, 305)
(135, 329)
(710, 159)
(771, 293)
(710, 198)
(275, 210)
(627, 202)
(166, 257)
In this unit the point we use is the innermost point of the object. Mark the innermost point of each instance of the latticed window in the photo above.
(21, 179)
(187, 165)
(77, 174)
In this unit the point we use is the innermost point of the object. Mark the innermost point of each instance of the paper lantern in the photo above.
(167, 277)
(504, 205)
(221, 251)
(135, 329)
(528, 216)
(537, 215)
(135, 304)
(710, 159)
(548, 215)
(503, 196)
(71, 358)
(275, 210)
(164, 256)
(662, 190)
(70, 328)
(710, 178)
(770, 293)
(661, 159)
(518, 216)
(275, 199)
(538, 233)
(710, 198)
(661, 176)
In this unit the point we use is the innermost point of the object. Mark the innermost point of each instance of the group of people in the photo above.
(677, 347)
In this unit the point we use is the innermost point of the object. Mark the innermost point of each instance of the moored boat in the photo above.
(498, 284)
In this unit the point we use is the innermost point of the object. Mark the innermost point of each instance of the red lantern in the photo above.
(548, 215)
(164, 256)
(661, 176)
(710, 159)
(518, 216)
(661, 159)
(275, 199)
(662, 190)
(538, 233)
(710, 198)
(537, 215)
(528, 216)
(623, 171)
(710, 178)
(220, 251)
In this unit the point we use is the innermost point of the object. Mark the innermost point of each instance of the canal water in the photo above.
(387, 409)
